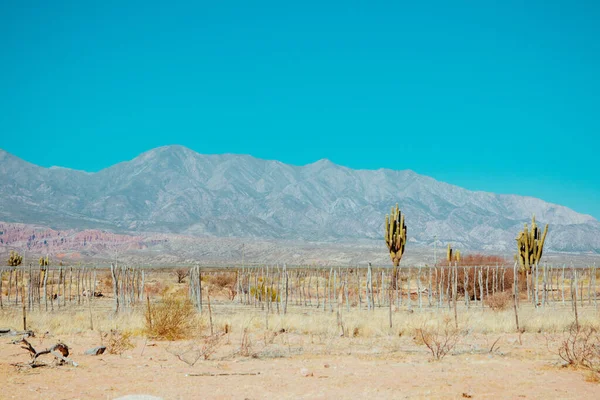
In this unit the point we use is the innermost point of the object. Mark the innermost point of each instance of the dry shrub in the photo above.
(505, 280)
(192, 352)
(246, 345)
(223, 280)
(118, 342)
(154, 288)
(180, 274)
(499, 300)
(105, 282)
(478, 260)
(581, 347)
(171, 319)
(440, 339)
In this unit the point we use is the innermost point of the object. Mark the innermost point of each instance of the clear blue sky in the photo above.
(499, 97)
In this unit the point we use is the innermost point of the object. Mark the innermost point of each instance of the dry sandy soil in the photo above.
(299, 366)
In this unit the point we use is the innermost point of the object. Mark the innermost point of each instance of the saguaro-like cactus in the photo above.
(44, 262)
(395, 234)
(14, 259)
(395, 239)
(530, 244)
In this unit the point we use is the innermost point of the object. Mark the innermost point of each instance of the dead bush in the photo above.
(580, 347)
(224, 281)
(171, 319)
(105, 282)
(504, 279)
(246, 345)
(499, 300)
(118, 342)
(180, 274)
(192, 352)
(440, 339)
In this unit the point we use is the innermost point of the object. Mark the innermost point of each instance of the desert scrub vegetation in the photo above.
(180, 274)
(500, 300)
(440, 338)
(117, 342)
(173, 318)
(222, 280)
(580, 347)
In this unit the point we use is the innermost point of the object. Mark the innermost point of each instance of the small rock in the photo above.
(96, 351)
(305, 372)
(326, 365)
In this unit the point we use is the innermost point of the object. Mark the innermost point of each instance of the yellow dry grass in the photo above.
(362, 323)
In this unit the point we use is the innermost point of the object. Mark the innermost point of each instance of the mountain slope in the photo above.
(173, 189)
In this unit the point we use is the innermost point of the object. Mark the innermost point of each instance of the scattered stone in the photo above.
(96, 351)
(305, 372)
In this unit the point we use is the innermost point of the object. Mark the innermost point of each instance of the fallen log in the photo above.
(59, 351)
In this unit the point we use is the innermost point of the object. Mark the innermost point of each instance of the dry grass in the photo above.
(173, 318)
(178, 312)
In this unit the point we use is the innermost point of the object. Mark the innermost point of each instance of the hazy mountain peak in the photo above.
(175, 189)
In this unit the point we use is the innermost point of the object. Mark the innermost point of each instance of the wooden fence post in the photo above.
(115, 284)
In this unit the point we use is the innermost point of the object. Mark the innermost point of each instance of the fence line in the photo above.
(273, 289)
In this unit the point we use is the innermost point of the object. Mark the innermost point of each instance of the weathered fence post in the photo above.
(115, 284)
(1, 277)
(285, 273)
(516, 295)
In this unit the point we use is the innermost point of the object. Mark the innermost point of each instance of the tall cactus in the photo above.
(44, 262)
(395, 239)
(530, 244)
(14, 259)
(395, 234)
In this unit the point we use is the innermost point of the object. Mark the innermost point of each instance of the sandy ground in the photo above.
(293, 366)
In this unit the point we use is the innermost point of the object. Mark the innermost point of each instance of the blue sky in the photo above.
(496, 96)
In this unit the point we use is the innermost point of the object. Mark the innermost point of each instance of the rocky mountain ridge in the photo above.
(175, 190)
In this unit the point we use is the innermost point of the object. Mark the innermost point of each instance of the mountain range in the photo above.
(175, 190)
